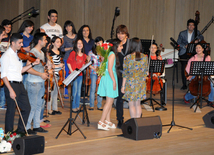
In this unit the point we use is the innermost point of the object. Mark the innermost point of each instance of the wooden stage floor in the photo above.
(177, 141)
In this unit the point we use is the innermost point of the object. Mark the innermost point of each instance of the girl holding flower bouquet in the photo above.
(93, 75)
(108, 83)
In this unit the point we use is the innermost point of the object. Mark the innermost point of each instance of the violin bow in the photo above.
(150, 51)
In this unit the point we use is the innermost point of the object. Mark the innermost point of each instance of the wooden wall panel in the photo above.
(99, 16)
(155, 17)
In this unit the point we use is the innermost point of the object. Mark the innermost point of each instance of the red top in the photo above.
(155, 57)
(76, 63)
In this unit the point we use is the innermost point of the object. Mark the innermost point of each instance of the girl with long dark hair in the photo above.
(75, 60)
(69, 38)
(135, 68)
(56, 54)
(93, 74)
(85, 35)
(109, 85)
(26, 30)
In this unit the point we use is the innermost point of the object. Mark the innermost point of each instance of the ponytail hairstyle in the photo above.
(76, 49)
(136, 46)
(116, 43)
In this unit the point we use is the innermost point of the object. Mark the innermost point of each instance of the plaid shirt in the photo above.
(95, 58)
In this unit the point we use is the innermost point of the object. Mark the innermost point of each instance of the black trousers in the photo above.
(119, 103)
(23, 103)
(183, 66)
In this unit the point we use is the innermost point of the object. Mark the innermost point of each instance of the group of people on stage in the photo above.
(185, 37)
(125, 76)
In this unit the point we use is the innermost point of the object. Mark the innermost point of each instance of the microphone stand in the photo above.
(173, 99)
(22, 15)
(117, 13)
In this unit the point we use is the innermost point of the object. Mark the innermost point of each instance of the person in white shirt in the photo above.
(52, 28)
(11, 73)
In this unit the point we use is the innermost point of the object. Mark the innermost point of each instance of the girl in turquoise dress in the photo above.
(108, 86)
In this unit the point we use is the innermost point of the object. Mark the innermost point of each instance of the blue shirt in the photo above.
(26, 40)
(88, 46)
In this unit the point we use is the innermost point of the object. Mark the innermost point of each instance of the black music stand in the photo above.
(201, 68)
(70, 120)
(191, 48)
(83, 108)
(146, 43)
(156, 66)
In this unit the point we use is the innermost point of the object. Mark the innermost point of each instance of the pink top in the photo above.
(195, 58)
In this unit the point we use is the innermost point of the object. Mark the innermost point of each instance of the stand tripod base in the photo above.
(151, 103)
(161, 108)
(197, 103)
(85, 115)
(71, 122)
(173, 124)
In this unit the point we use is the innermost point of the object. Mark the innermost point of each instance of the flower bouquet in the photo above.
(103, 51)
(11, 136)
(4, 145)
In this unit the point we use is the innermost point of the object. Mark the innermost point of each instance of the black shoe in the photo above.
(184, 87)
(119, 124)
(31, 132)
(91, 108)
(46, 121)
(57, 112)
(21, 133)
(40, 130)
(52, 113)
(100, 109)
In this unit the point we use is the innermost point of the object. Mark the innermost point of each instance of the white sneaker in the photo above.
(102, 126)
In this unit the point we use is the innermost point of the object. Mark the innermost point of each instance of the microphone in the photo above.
(175, 46)
(174, 42)
(117, 11)
(34, 13)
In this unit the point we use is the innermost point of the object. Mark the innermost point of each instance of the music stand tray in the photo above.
(201, 68)
(70, 120)
(156, 66)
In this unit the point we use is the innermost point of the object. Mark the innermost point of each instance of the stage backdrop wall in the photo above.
(144, 18)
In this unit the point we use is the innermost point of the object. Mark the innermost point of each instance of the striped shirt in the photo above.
(56, 61)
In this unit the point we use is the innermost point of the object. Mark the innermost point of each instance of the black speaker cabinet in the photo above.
(142, 128)
(29, 145)
(209, 119)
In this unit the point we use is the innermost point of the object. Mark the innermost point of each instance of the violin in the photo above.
(23, 55)
(87, 74)
(62, 73)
